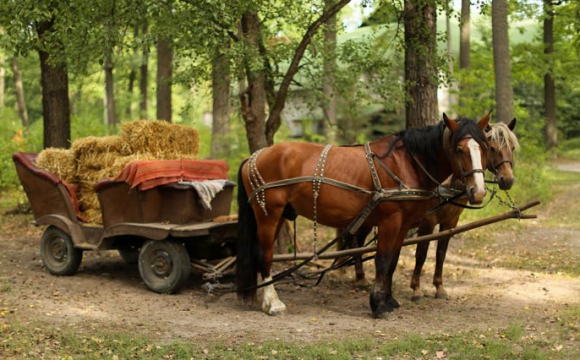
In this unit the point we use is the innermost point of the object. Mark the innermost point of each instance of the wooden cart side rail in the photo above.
(514, 214)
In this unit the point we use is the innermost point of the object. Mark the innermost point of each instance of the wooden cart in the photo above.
(161, 229)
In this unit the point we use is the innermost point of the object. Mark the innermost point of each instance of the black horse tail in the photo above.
(249, 253)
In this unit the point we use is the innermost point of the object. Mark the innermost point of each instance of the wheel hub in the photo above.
(58, 249)
(162, 265)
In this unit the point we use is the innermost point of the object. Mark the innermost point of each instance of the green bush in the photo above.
(11, 141)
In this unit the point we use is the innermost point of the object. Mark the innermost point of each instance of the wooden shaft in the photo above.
(472, 225)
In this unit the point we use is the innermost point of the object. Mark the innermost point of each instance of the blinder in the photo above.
(449, 152)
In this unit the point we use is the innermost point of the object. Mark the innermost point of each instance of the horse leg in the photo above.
(360, 280)
(442, 246)
(267, 230)
(343, 244)
(420, 256)
(389, 243)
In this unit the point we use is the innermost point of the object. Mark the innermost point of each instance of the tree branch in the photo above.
(273, 122)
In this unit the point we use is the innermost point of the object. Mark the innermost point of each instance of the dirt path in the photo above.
(107, 293)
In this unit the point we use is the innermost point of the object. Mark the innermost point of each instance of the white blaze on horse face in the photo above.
(475, 152)
(271, 304)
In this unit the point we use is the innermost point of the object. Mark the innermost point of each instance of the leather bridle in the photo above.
(449, 152)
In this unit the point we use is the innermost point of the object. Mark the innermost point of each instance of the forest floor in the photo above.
(522, 273)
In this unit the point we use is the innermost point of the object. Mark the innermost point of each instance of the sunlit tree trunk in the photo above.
(55, 100)
(421, 107)
(21, 104)
(451, 94)
(330, 122)
(132, 78)
(465, 31)
(549, 91)
(143, 79)
(254, 97)
(110, 113)
(164, 79)
(220, 74)
(464, 45)
(501, 60)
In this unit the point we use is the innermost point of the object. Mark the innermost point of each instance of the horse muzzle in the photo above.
(475, 195)
(505, 183)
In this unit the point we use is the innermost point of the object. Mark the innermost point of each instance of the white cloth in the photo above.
(207, 190)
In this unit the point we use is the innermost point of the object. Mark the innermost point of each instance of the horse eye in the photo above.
(459, 150)
(492, 149)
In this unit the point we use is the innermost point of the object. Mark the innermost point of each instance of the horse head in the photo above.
(466, 148)
(502, 144)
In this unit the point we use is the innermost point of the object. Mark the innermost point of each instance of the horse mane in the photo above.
(426, 141)
(503, 136)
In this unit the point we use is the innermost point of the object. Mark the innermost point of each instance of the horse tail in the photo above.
(248, 248)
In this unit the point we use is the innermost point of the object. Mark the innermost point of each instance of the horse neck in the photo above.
(440, 173)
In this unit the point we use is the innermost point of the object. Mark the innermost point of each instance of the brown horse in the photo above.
(502, 143)
(332, 186)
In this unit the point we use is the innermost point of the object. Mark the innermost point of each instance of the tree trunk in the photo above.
(452, 86)
(465, 42)
(2, 85)
(421, 107)
(501, 61)
(132, 78)
(549, 91)
(254, 98)
(330, 122)
(143, 81)
(220, 74)
(110, 115)
(19, 94)
(164, 74)
(55, 101)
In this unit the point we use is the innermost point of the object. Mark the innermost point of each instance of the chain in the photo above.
(511, 203)
(256, 181)
(316, 183)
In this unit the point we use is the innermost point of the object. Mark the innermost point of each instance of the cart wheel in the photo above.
(129, 255)
(58, 253)
(164, 266)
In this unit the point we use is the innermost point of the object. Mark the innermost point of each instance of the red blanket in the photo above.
(149, 174)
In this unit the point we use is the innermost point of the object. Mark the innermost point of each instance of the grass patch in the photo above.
(514, 341)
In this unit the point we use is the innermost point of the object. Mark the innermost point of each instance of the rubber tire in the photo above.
(164, 266)
(129, 255)
(58, 253)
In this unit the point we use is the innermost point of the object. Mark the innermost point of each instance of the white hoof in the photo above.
(274, 309)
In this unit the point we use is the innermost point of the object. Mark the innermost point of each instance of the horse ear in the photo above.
(450, 123)
(512, 125)
(484, 121)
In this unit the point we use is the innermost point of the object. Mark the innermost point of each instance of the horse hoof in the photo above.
(276, 309)
(417, 295)
(417, 298)
(362, 283)
(392, 302)
(441, 296)
(385, 315)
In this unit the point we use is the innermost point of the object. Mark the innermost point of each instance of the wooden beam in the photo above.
(514, 214)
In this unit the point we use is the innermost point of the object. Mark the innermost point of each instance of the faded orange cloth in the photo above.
(149, 174)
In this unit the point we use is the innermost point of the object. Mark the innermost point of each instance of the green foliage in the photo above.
(11, 141)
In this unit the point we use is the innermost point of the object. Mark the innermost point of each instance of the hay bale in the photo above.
(163, 140)
(98, 152)
(60, 162)
(93, 216)
(121, 162)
